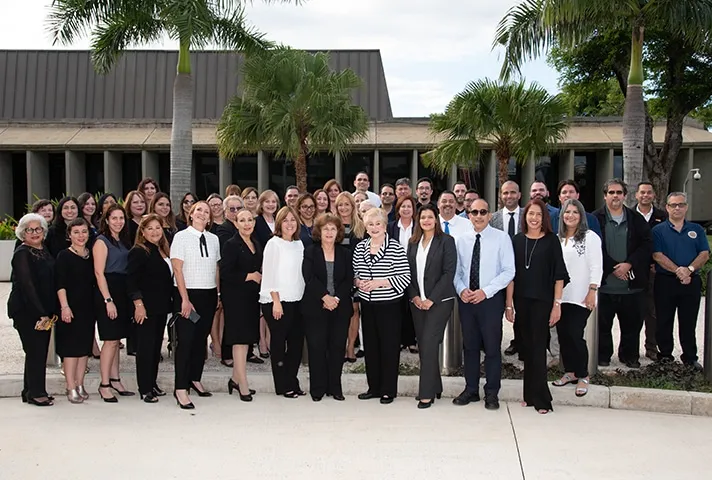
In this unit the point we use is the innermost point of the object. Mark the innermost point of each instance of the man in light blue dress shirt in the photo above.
(485, 266)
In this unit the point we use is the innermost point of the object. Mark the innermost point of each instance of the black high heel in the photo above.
(158, 392)
(123, 393)
(44, 403)
(149, 397)
(291, 395)
(111, 399)
(231, 385)
(23, 395)
(187, 406)
(200, 393)
(437, 395)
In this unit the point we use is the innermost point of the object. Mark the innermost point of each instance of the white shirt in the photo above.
(584, 262)
(457, 226)
(506, 218)
(404, 234)
(270, 225)
(645, 215)
(282, 270)
(199, 267)
(496, 260)
(421, 257)
(372, 197)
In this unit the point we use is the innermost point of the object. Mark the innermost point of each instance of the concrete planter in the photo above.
(7, 247)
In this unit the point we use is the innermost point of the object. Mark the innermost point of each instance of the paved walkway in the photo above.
(278, 438)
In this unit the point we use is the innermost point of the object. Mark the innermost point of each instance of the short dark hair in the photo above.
(424, 179)
(615, 181)
(389, 186)
(41, 203)
(644, 182)
(545, 217)
(417, 230)
(403, 181)
(324, 219)
(570, 182)
(447, 192)
(459, 182)
(58, 220)
(363, 172)
(472, 190)
(290, 188)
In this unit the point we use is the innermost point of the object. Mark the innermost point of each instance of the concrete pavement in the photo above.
(276, 438)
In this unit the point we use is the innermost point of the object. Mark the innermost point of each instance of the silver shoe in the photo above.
(73, 396)
(81, 391)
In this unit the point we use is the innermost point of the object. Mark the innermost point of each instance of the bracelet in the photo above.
(509, 308)
(138, 304)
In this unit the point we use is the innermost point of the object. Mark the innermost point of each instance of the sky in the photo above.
(431, 49)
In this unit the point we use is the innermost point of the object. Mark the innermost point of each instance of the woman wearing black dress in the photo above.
(111, 251)
(32, 302)
(74, 274)
(186, 203)
(161, 205)
(150, 287)
(136, 207)
(56, 241)
(240, 278)
(534, 298)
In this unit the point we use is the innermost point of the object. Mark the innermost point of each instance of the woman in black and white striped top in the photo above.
(382, 275)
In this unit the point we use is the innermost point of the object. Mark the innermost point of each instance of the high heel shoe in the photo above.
(73, 396)
(158, 392)
(437, 395)
(123, 393)
(82, 391)
(149, 397)
(201, 393)
(231, 385)
(23, 395)
(43, 403)
(111, 399)
(187, 406)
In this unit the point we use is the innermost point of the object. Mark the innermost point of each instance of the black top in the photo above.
(180, 225)
(149, 278)
(214, 227)
(33, 292)
(315, 279)
(262, 230)
(76, 275)
(225, 232)
(56, 239)
(237, 261)
(546, 266)
(305, 235)
(169, 233)
(133, 230)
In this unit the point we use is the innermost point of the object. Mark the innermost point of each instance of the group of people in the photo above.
(340, 270)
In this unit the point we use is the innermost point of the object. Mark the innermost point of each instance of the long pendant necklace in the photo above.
(528, 262)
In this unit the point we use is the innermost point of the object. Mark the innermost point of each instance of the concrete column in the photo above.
(6, 193)
(452, 176)
(37, 175)
(376, 176)
(75, 172)
(224, 174)
(113, 183)
(262, 171)
(528, 175)
(338, 168)
(490, 180)
(566, 166)
(149, 165)
(604, 172)
(414, 169)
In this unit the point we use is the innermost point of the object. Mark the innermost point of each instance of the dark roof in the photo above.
(62, 84)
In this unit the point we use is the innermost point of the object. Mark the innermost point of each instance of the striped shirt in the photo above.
(389, 263)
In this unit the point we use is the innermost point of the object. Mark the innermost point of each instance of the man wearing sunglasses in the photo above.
(627, 249)
(485, 266)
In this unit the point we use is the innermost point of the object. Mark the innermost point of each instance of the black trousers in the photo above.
(35, 344)
(517, 335)
(149, 339)
(482, 329)
(430, 328)
(192, 337)
(408, 332)
(629, 308)
(286, 345)
(326, 336)
(574, 351)
(650, 316)
(671, 296)
(533, 318)
(381, 323)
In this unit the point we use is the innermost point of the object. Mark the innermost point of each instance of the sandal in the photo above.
(565, 380)
(582, 387)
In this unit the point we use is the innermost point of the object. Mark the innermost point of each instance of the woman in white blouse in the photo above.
(195, 253)
(584, 261)
(281, 291)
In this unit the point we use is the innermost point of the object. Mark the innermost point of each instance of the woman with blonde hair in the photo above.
(267, 206)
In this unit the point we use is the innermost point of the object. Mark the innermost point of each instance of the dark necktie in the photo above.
(203, 246)
(510, 229)
(475, 266)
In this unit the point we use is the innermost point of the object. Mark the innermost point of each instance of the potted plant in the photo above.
(7, 247)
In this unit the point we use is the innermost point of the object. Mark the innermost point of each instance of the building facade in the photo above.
(66, 130)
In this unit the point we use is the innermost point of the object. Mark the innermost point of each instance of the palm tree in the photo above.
(514, 120)
(293, 103)
(116, 25)
(531, 28)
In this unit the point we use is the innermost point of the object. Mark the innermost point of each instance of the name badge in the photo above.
(692, 235)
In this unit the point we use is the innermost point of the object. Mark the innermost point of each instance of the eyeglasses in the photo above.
(188, 202)
(615, 192)
(677, 205)
(34, 230)
(306, 207)
(235, 209)
(481, 212)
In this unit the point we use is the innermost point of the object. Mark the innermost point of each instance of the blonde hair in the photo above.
(261, 200)
(357, 227)
(374, 213)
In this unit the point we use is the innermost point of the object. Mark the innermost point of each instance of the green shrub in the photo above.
(7, 228)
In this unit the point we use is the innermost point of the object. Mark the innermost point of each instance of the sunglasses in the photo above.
(188, 202)
(235, 209)
(677, 205)
(615, 192)
(481, 212)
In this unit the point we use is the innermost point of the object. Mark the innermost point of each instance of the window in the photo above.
(618, 170)
(320, 169)
(585, 176)
(547, 171)
(207, 174)
(393, 165)
(440, 182)
(474, 175)
(164, 172)
(57, 175)
(244, 171)
(352, 163)
(95, 172)
(19, 185)
(130, 171)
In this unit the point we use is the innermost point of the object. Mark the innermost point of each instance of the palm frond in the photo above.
(231, 31)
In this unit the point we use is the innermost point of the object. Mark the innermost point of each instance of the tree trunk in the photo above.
(300, 169)
(182, 130)
(659, 168)
(503, 168)
(634, 118)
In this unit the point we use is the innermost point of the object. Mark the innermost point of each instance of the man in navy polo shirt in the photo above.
(680, 249)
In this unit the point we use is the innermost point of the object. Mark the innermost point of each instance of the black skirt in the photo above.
(242, 319)
(117, 328)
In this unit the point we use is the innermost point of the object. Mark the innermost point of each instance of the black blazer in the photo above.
(149, 278)
(225, 232)
(314, 271)
(237, 261)
(640, 247)
(56, 239)
(440, 266)
(262, 230)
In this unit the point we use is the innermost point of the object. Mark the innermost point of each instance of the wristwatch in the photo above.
(108, 300)
(691, 268)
